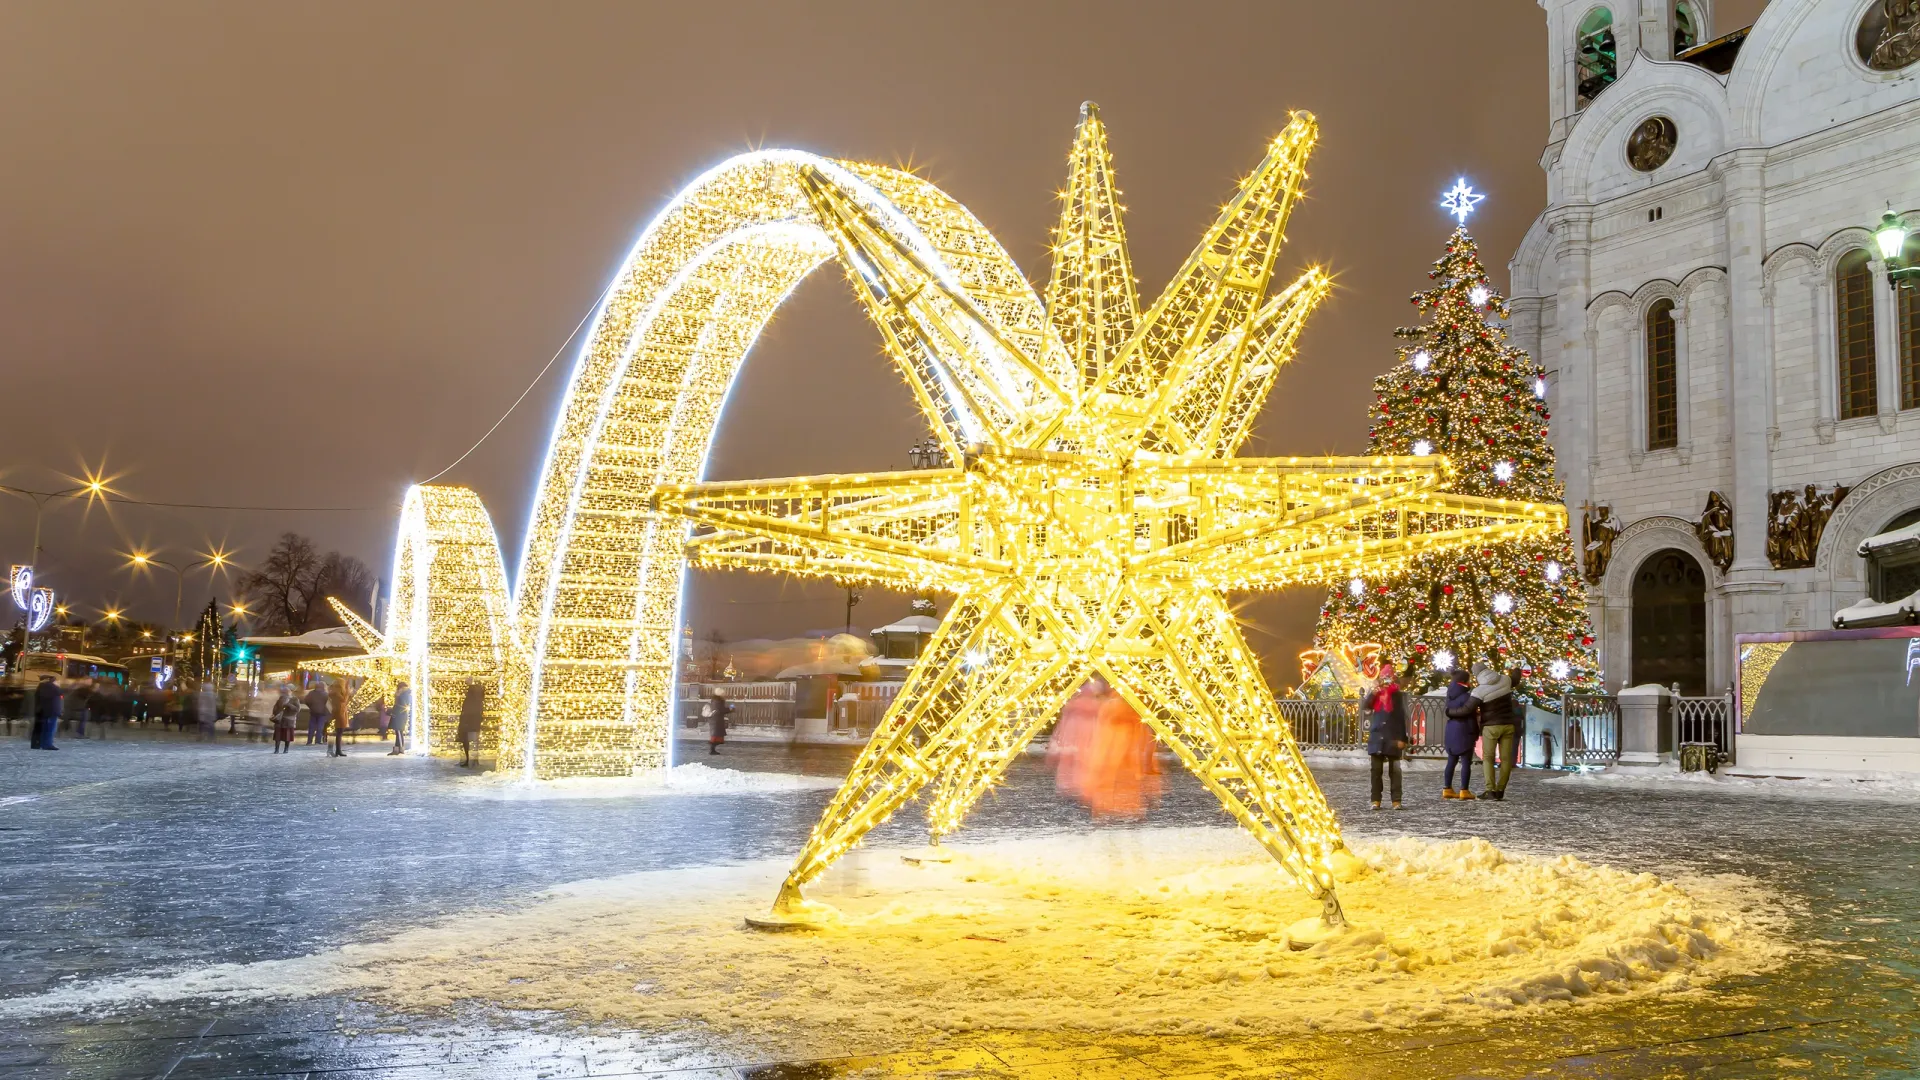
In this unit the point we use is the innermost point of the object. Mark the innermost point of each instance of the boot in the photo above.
(1465, 794)
(1497, 796)
(1449, 794)
(1376, 804)
(1396, 806)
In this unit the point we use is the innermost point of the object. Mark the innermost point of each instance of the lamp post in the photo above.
(1891, 239)
(218, 560)
(95, 487)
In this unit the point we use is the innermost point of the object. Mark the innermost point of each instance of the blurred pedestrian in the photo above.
(46, 713)
(716, 712)
(286, 710)
(1069, 748)
(206, 710)
(402, 717)
(316, 703)
(1463, 729)
(75, 706)
(337, 709)
(1386, 733)
(473, 710)
(1500, 738)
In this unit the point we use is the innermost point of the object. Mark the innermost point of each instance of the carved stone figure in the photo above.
(1715, 530)
(1796, 519)
(1598, 531)
(1889, 36)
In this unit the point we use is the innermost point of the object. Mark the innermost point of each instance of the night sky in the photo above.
(301, 255)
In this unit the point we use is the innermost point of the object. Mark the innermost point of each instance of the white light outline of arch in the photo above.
(898, 224)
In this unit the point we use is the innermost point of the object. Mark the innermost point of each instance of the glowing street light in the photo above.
(1891, 239)
(217, 560)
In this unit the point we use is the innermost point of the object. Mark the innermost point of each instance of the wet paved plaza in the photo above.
(131, 856)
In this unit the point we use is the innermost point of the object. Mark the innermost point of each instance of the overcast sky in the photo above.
(305, 254)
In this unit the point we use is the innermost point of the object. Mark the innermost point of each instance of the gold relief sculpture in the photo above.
(1796, 519)
(1715, 530)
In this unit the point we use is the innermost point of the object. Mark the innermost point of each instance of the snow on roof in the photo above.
(1871, 612)
(327, 637)
(912, 624)
(1894, 538)
(819, 667)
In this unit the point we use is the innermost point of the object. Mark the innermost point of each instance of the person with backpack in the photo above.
(1500, 738)
(1386, 732)
(1463, 729)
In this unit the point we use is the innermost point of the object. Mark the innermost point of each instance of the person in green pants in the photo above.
(1499, 736)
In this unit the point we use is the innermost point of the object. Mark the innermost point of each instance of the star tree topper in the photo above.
(1096, 516)
(1460, 200)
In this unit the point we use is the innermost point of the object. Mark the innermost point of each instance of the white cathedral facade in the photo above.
(1733, 380)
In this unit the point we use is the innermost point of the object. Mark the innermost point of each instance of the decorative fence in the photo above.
(1707, 721)
(755, 704)
(1586, 733)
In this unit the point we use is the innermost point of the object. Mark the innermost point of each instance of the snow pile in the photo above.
(690, 779)
(1155, 931)
(1813, 784)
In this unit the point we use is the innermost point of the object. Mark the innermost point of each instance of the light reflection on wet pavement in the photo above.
(137, 856)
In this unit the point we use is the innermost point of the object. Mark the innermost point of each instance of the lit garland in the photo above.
(1462, 391)
(1092, 518)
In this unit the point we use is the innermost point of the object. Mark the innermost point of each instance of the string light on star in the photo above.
(1056, 419)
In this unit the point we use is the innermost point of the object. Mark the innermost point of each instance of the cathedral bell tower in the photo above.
(1591, 43)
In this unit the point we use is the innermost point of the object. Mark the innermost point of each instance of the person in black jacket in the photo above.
(716, 713)
(46, 713)
(1463, 727)
(316, 702)
(473, 710)
(1386, 732)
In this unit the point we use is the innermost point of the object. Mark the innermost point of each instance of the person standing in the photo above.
(1463, 728)
(46, 713)
(286, 709)
(1386, 732)
(473, 710)
(717, 710)
(316, 702)
(75, 705)
(402, 716)
(1499, 737)
(206, 710)
(337, 709)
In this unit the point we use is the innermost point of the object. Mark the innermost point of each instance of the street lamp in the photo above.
(1891, 239)
(218, 560)
(95, 487)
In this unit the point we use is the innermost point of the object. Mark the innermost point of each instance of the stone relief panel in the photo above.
(1715, 530)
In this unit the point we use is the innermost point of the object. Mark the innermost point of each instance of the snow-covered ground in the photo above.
(1179, 930)
(693, 778)
(1811, 785)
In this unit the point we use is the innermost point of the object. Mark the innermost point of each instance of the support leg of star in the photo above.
(1225, 730)
(975, 662)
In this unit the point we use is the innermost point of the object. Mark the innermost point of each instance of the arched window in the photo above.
(1686, 28)
(1595, 62)
(1663, 381)
(1853, 334)
(1907, 310)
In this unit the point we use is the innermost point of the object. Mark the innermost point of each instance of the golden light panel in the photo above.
(1091, 519)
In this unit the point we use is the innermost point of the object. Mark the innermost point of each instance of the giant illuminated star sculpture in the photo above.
(1094, 516)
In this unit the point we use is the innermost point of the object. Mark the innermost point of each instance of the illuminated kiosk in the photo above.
(1091, 518)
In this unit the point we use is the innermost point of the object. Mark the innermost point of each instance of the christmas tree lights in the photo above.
(1461, 391)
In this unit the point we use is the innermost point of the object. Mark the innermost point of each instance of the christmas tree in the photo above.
(1461, 390)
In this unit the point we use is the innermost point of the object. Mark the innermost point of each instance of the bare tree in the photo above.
(290, 587)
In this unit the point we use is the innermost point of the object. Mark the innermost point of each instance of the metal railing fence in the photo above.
(1704, 721)
(1585, 733)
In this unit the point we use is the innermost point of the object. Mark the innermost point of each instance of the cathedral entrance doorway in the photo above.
(1670, 622)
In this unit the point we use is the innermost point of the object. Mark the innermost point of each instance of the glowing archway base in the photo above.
(1092, 521)
(448, 618)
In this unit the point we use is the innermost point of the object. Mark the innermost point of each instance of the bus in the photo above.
(68, 667)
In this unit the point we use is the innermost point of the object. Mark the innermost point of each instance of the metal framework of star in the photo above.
(1460, 200)
(1097, 528)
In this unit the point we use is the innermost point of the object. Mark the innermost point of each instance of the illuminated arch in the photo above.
(601, 572)
(449, 619)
